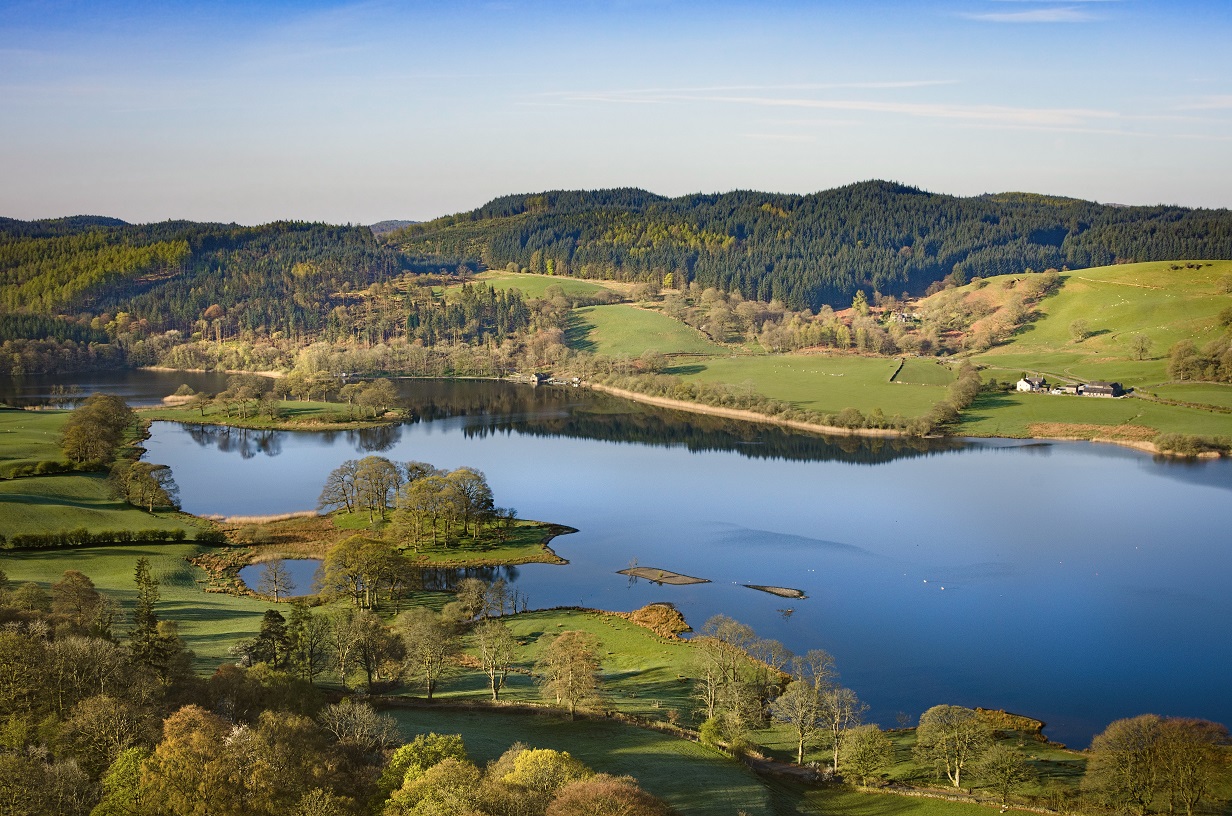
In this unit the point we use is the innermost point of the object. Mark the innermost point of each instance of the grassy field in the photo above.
(1013, 414)
(829, 384)
(1205, 393)
(627, 331)
(29, 437)
(533, 286)
(35, 504)
(693, 779)
(1163, 303)
(643, 674)
(209, 623)
(295, 415)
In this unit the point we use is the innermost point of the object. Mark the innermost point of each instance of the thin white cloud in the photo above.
(1001, 114)
(802, 86)
(781, 137)
(1217, 102)
(1067, 14)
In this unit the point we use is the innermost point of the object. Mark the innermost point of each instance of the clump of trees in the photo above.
(434, 775)
(1148, 762)
(96, 429)
(427, 503)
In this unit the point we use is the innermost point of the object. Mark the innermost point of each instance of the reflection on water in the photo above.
(249, 442)
(1002, 573)
(447, 578)
(244, 441)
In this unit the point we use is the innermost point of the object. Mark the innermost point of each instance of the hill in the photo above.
(809, 250)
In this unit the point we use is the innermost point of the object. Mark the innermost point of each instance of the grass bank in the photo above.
(293, 415)
(693, 779)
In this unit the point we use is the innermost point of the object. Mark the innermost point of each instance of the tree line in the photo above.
(806, 251)
(104, 723)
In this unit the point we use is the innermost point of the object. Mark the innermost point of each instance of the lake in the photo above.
(1072, 582)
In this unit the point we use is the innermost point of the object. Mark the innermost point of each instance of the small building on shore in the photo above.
(1103, 389)
(1032, 384)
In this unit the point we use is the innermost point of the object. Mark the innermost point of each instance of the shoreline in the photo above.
(744, 414)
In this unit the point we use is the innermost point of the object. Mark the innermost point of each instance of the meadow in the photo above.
(534, 286)
(69, 501)
(1164, 301)
(695, 780)
(830, 383)
(622, 330)
(209, 622)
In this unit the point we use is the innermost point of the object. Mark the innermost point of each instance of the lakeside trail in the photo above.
(742, 414)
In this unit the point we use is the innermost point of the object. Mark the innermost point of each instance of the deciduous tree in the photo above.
(568, 670)
(951, 738)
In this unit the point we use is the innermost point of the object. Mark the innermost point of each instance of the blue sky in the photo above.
(358, 112)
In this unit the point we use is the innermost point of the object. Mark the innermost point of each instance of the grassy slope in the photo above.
(29, 437)
(533, 286)
(828, 384)
(1117, 302)
(693, 779)
(1164, 304)
(642, 674)
(623, 330)
(33, 504)
(209, 623)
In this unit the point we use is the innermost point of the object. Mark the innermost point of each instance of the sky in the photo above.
(359, 112)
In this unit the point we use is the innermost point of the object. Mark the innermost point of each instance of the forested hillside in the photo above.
(185, 276)
(814, 249)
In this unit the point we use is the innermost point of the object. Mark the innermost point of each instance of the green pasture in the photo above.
(694, 779)
(71, 501)
(826, 384)
(843, 801)
(642, 673)
(621, 330)
(1011, 414)
(38, 504)
(924, 371)
(209, 622)
(1164, 304)
(1204, 393)
(534, 286)
(293, 414)
(29, 437)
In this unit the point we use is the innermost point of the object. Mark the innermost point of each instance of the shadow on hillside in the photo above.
(577, 335)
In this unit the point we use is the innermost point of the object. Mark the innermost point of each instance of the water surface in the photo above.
(1071, 582)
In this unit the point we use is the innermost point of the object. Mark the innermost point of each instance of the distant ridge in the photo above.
(385, 227)
(809, 250)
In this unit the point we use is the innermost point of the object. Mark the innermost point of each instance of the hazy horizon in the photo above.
(366, 111)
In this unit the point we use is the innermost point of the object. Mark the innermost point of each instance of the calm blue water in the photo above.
(1070, 582)
(302, 572)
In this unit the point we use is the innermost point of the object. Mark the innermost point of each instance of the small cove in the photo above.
(301, 571)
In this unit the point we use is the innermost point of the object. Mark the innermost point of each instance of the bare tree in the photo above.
(275, 579)
(430, 641)
(568, 669)
(497, 648)
(800, 707)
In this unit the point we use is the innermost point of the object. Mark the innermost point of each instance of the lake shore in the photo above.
(742, 414)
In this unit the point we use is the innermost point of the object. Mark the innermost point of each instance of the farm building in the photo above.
(1033, 384)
